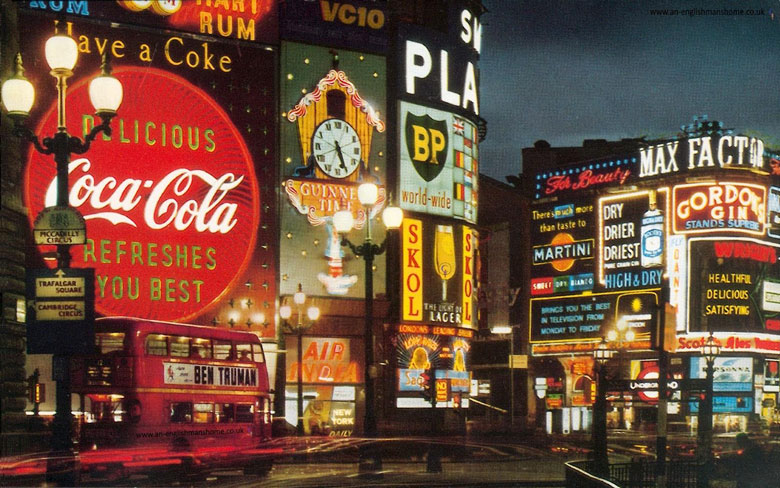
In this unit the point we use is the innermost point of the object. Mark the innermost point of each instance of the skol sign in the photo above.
(439, 273)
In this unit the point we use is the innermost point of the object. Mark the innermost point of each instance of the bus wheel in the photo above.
(260, 468)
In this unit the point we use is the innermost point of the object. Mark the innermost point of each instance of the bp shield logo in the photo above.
(426, 144)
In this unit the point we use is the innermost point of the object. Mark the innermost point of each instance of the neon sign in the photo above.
(734, 285)
(632, 239)
(562, 243)
(773, 209)
(701, 152)
(584, 318)
(446, 293)
(325, 360)
(165, 217)
(722, 206)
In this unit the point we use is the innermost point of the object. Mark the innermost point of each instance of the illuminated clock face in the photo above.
(336, 148)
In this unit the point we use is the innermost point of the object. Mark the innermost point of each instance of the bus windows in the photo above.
(204, 413)
(245, 413)
(201, 348)
(156, 345)
(223, 350)
(110, 342)
(258, 353)
(225, 413)
(244, 352)
(133, 411)
(105, 408)
(181, 412)
(180, 347)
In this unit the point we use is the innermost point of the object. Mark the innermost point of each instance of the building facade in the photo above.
(212, 200)
(653, 246)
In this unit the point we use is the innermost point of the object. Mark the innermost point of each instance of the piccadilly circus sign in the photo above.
(170, 200)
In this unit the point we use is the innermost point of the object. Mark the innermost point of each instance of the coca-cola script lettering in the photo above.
(166, 201)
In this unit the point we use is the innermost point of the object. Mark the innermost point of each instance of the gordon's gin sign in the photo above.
(170, 199)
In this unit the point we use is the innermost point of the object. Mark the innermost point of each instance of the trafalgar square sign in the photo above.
(61, 311)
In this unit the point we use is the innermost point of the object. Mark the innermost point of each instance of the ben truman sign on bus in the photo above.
(701, 153)
(207, 374)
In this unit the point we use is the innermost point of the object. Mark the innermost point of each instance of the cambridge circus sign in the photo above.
(170, 200)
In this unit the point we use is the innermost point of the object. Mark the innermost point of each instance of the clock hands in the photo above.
(341, 156)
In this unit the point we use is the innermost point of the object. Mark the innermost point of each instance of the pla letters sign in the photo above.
(443, 69)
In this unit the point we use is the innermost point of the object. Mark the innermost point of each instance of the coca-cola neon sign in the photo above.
(170, 200)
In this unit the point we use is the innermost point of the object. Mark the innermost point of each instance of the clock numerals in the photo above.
(336, 147)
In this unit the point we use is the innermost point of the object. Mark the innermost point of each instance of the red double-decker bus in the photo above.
(177, 392)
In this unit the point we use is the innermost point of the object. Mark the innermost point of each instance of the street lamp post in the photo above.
(313, 313)
(18, 96)
(392, 217)
(601, 355)
(709, 351)
(621, 332)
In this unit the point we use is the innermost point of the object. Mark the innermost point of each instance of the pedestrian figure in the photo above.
(751, 467)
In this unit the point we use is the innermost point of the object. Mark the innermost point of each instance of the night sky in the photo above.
(570, 70)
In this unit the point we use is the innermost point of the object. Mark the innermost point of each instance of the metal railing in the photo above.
(640, 473)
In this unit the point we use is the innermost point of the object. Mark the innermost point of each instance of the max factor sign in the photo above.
(701, 153)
